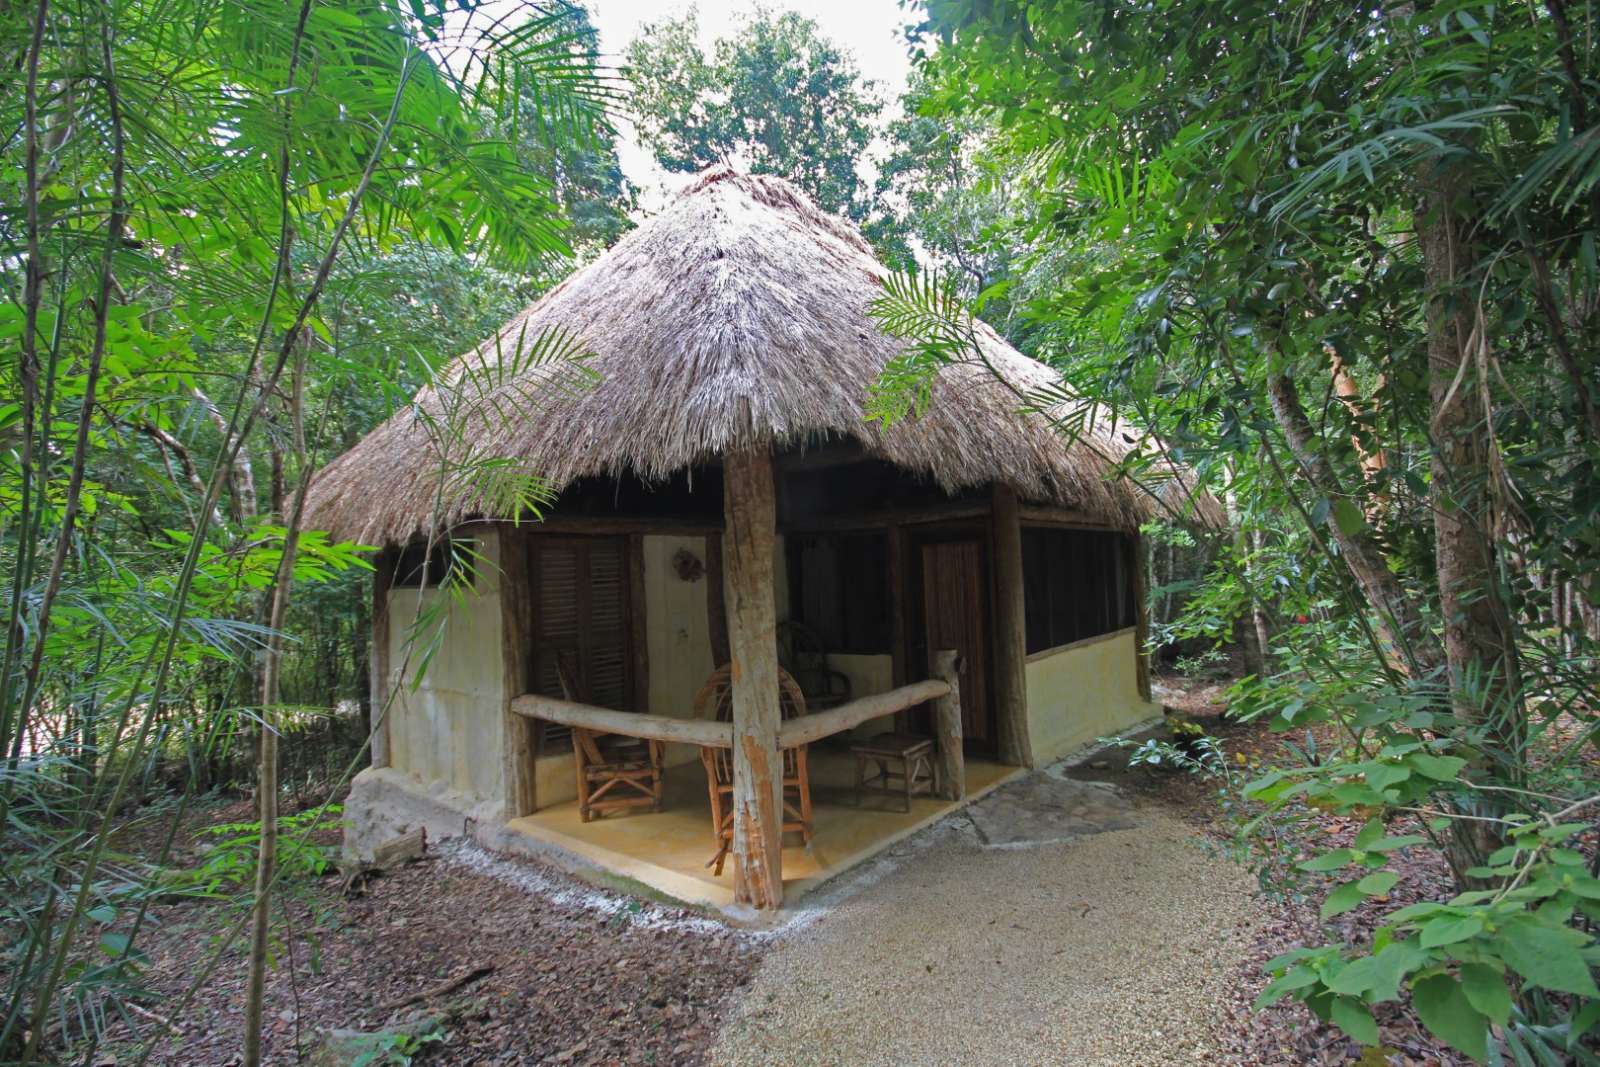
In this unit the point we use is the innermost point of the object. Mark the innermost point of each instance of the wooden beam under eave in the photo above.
(1141, 607)
(378, 662)
(716, 601)
(749, 533)
(516, 663)
(1010, 631)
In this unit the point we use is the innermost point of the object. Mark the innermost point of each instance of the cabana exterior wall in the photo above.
(449, 757)
(737, 318)
(728, 354)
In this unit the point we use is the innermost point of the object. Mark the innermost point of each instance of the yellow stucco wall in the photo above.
(449, 729)
(678, 633)
(868, 675)
(1083, 691)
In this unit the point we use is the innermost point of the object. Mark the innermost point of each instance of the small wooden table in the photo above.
(906, 767)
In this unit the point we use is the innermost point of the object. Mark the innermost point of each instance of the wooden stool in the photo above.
(903, 758)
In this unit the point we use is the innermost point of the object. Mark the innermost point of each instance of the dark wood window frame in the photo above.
(1078, 585)
(619, 642)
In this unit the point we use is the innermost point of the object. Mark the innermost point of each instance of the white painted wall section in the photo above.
(447, 729)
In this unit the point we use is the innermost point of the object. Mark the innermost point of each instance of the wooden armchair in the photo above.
(615, 773)
(715, 701)
(801, 653)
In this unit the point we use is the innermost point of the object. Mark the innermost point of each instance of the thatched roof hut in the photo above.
(738, 316)
(726, 509)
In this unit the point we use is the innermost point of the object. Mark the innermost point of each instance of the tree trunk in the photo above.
(1478, 643)
(1252, 639)
(946, 666)
(748, 536)
(1258, 615)
(267, 776)
(1401, 625)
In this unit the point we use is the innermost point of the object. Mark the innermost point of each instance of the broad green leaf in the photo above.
(1439, 768)
(1349, 518)
(1545, 955)
(1372, 831)
(1390, 844)
(1381, 776)
(1378, 883)
(1329, 861)
(1278, 988)
(1486, 989)
(1355, 1019)
(1449, 929)
(1444, 1009)
(1342, 899)
(1378, 977)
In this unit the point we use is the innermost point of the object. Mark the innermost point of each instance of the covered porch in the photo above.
(609, 619)
(923, 590)
(669, 851)
(666, 848)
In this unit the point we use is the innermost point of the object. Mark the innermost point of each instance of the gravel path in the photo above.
(1115, 948)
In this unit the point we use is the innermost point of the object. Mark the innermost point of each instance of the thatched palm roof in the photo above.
(737, 316)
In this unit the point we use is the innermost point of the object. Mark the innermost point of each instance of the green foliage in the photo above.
(237, 235)
(944, 201)
(228, 863)
(584, 172)
(1493, 957)
(393, 1049)
(777, 98)
(1338, 262)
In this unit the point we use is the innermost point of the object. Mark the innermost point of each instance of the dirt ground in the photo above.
(556, 972)
(503, 961)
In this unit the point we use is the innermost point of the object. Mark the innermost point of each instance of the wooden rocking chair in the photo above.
(715, 701)
(615, 773)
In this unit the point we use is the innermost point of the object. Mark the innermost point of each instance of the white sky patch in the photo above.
(869, 30)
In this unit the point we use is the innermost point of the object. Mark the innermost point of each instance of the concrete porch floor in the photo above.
(668, 850)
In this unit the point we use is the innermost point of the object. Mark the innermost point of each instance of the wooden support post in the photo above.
(895, 582)
(716, 605)
(750, 528)
(1010, 631)
(638, 630)
(1141, 605)
(516, 660)
(946, 667)
(378, 662)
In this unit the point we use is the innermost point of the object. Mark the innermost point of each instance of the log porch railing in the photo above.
(943, 690)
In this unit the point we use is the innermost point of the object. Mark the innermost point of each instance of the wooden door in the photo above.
(955, 615)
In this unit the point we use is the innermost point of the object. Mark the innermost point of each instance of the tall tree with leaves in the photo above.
(196, 200)
(1340, 261)
(584, 171)
(776, 98)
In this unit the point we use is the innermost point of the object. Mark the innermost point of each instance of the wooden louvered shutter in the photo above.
(605, 631)
(581, 600)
